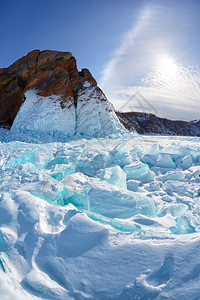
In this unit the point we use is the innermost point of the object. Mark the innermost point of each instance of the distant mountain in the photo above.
(146, 123)
(44, 92)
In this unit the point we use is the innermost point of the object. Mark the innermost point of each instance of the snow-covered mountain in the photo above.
(44, 92)
(146, 123)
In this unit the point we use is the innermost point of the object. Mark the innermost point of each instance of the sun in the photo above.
(167, 67)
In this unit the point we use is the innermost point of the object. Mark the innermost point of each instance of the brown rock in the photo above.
(85, 73)
(49, 72)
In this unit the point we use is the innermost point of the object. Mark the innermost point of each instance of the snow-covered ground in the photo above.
(99, 218)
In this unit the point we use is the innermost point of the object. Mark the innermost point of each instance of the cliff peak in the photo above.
(48, 72)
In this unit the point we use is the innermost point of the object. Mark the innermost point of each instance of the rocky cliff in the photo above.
(44, 91)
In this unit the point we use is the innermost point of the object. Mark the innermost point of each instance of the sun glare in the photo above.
(167, 67)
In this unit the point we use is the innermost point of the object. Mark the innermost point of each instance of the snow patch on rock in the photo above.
(44, 115)
(93, 115)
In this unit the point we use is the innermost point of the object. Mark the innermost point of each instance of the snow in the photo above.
(93, 116)
(36, 114)
(95, 218)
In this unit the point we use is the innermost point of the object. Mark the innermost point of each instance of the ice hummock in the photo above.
(99, 218)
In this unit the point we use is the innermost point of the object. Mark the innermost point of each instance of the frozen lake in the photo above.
(99, 218)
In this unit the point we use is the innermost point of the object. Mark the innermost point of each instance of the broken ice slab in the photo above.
(115, 176)
(149, 159)
(104, 198)
(165, 161)
(60, 171)
(4, 239)
(114, 202)
(91, 165)
(38, 155)
(172, 175)
(184, 162)
(132, 185)
(122, 225)
(174, 209)
(150, 156)
(176, 186)
(57, 160)
(120, 155)
(136, 170)
(100, 161)
(45, 187)
(149, 177)
(153, 186)
(2, 266)
(184, 224)
(76, 189)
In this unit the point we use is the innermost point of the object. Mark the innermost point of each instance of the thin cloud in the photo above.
(126, 42)
(176, 99)
(132, 67)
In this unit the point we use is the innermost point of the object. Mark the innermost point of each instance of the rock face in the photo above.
(46, 92)
(146, 123)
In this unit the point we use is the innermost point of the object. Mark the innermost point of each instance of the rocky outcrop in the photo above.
(146, 123)
(85, 73)
(44, 92)
(47, 72)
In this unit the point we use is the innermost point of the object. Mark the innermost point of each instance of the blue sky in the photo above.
(148, 48)
(91, 30)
